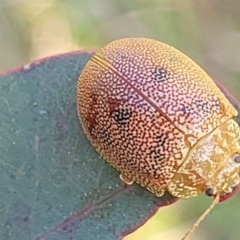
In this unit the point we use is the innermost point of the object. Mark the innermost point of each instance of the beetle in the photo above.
(160, 120)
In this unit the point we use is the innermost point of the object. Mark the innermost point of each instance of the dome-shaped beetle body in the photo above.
(159, 119)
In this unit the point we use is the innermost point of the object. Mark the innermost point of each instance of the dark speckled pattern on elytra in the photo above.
(144, 105)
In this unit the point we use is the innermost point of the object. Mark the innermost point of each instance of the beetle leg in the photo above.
(125, 180)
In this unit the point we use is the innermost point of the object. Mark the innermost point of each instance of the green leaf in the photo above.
(52, 183)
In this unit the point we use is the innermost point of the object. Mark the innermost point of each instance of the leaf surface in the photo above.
(53, 184)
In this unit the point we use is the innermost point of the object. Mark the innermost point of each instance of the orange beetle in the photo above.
(160, 120)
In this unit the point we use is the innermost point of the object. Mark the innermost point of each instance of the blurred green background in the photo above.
(207, 30)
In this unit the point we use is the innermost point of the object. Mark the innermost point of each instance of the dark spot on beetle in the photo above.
(91, 115)
(160, 74)
(121, 115)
